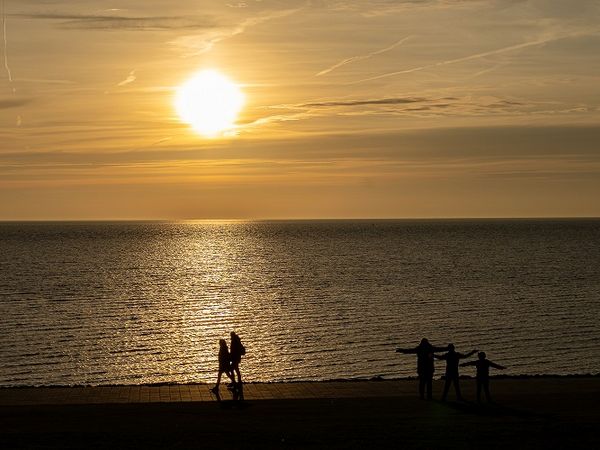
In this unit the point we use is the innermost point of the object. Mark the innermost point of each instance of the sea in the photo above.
(125, 303)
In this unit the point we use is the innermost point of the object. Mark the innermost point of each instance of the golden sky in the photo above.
(354, 108)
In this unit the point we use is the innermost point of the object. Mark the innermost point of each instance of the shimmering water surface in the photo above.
(129, 303)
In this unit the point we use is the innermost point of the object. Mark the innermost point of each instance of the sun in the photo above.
(210, 102)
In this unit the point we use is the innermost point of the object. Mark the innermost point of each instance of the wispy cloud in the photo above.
(376, 101)
(456, 144)
(475, 56)
(13, 103)
(204, 41)
(376, 8)
(362, 57)
(412, 107)
(487, 70)
(5, 41)
(403, 102)
(122, 22)
(130, 79)
(44, 80)
(270, 119)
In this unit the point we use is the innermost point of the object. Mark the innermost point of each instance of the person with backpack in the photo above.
(237, 350)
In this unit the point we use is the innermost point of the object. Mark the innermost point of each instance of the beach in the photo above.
(538, 412)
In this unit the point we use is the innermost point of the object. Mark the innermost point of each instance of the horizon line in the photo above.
(308, 219)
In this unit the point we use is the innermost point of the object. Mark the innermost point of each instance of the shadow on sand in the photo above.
(236, 401)
(489, 410)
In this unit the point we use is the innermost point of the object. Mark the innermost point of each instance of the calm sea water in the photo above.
(129, 303)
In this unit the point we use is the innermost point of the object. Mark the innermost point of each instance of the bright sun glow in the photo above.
(209, 102)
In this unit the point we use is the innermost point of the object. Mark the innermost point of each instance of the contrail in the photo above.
(5, 43)
(361, 57)
(465, 58)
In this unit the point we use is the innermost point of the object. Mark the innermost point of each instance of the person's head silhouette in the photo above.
(424, 341)
(451, 347)
(481, 355)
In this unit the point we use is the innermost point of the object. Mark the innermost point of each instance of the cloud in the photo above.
(508, 143)
(375, 8)
(208, 30)
(5, 43)
(130, 79)
(562, 9)
(415, 107)
(362, 57)
(198, 43)
(378, 101)
(121, 22)
(44, 80)
(475, 56)
(250, 124)
(13, 103)
(403, 104)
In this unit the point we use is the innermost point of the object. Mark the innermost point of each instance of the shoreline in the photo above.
(200, 392)
(332, 380)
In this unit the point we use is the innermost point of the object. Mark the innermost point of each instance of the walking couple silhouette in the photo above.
(229, 362)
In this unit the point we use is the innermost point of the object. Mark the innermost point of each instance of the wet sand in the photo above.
(528, 413)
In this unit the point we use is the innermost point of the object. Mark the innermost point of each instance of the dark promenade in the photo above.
(527, 413)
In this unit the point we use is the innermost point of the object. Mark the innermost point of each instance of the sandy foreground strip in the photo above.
(561, 413)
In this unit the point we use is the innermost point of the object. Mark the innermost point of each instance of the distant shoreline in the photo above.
(326, 219)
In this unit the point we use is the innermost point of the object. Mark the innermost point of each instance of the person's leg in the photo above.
(486, 389)
(457, 389)
(422, 387)
(478, 391)
(446, 387)
(235, 369)
(429, 387)
(216, 388)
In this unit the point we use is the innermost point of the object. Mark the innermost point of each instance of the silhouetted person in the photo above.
(483, 374)
(425, 367)
(237, 350)
(452, 358)
(224, 364)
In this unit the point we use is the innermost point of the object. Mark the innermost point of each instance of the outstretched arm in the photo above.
(470, 363)
(406, 350)
(466, 355)
(441, 349)
(497, 366)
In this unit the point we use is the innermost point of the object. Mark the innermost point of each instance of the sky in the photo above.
(354, 109)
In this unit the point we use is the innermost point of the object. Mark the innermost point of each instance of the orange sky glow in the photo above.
(351, 109)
